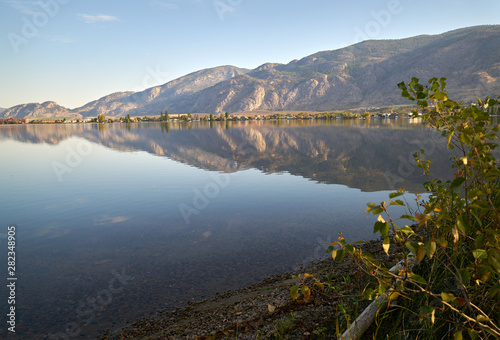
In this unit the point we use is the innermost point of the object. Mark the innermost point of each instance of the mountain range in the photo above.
(360, 75)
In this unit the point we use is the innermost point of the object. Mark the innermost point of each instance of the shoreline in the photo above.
(264, 309)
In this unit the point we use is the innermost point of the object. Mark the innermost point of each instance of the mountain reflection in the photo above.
(370, 156)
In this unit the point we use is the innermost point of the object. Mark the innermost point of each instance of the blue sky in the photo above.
(72, 51)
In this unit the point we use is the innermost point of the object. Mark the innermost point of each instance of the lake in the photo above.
(116, 221)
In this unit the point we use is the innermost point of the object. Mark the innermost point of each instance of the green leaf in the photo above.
(369, 294)
(465, 139)
(350, 248)
(398, 202)
(431, 247)
(473, 334)
(450, 136)
(447, 297)
(412, 246)
(294, 292)
(457, 182)
(458, 335)
(462, 224)
(443, 82)
(340, 254)
(417, 278)
(371, 207)
(420, 254)
(479, 254)
(382, 227)
(422, 103)
(395, 194)
(408, 231)
(464, 275)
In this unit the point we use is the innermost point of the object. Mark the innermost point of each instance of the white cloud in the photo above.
(90, 19)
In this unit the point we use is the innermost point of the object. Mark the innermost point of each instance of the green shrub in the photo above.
(455, 241)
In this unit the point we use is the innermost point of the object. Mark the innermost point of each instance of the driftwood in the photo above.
(365, 319)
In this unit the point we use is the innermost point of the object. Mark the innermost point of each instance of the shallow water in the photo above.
(116, 221)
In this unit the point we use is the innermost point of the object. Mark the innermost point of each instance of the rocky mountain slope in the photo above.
(148, 102)
(364, 74)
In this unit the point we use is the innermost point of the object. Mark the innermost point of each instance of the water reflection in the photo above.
(90, 201)
(369, 155)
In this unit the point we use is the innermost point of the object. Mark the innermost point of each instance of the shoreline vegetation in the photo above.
(385, 112)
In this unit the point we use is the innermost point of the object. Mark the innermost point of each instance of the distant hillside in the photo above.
(35, 110)
(363, 74)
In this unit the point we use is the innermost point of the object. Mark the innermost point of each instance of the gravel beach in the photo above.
(266, 310)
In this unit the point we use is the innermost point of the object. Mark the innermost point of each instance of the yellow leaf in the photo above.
(420, 254)
(271, 308)
(394, 295)
(308, 275)
(380, 219)
(307, 294)
(386, 245)
(447, 297)
(334, 254)
(433, 316)
(455, 234)
(482, 318)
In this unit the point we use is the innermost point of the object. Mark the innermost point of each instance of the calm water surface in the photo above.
(117, 221)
